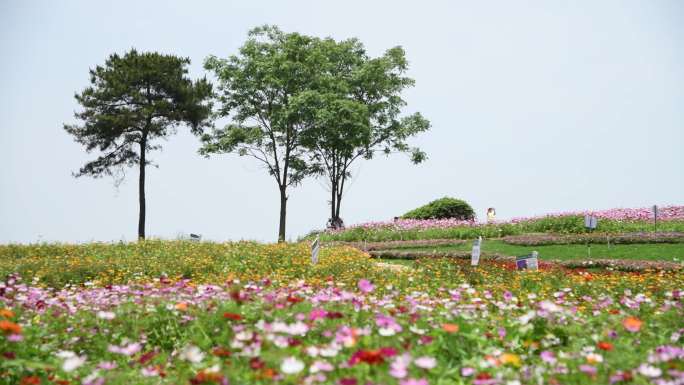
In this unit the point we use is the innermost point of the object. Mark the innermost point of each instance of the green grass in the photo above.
(659, 252)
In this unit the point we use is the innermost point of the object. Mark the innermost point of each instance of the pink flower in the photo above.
(127, 350)
(548, 357)
(588, 369)
(365, 286)
(317, 314)
(399, 366)
(414, 381)
(107, 365)
(467, 371)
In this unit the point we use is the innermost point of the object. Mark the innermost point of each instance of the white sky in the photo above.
(536, 106)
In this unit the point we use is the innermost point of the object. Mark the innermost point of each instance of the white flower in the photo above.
(594, 358)
(298, 328)
(91, 377)
(192, 354)
(73, 363)
(386, 332)
(416, 330)
(649, 371)
(524, 319)
(108, 315)
(244, 335)
(291, 365)
(312, 351)
(65, 354)
(425, 362)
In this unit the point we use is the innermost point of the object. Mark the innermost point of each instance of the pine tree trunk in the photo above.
(141, 190)
(283, 211)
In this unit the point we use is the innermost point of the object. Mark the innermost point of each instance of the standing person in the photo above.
(491, 215)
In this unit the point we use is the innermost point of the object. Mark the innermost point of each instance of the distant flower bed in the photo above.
(553, 239)
(670, 218)
(666, 213)
(398, 244)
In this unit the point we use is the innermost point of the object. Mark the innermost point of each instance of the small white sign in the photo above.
(315, 248)
(475, 256)
(528, 262)
(590, 221)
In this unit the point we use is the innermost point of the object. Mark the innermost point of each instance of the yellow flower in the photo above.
(510, 358)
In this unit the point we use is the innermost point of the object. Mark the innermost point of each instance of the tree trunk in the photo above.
(141, 189)
(283, 211)
(333, 187)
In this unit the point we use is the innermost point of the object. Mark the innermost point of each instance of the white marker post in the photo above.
(315, 248)
(475, 255)
(590, 222)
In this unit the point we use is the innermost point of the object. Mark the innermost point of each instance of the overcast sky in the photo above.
(535, 107)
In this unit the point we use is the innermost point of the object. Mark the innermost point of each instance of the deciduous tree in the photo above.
(265, 90)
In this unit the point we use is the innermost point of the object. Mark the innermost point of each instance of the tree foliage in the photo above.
(265, 90)
(131, 101)
(356, 113)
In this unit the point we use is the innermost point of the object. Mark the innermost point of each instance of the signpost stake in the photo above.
(655, 220)
(315, 248)
(590, 222)
(475, 255)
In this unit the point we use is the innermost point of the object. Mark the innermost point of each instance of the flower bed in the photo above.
(671, 219)
(486, 258)
(447, 322)
(368, 246)
(556, 239)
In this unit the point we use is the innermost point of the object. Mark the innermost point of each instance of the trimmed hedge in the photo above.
(443, 208)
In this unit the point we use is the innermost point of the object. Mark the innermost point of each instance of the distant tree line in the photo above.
(301, 105)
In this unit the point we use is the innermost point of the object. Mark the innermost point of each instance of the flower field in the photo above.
(670, 219)
(242, 313)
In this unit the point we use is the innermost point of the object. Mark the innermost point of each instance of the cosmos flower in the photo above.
(291, 365)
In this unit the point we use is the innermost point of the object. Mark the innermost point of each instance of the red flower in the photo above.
(372, 357)
(30, 380)
(603, 345)
(256, 363)
(145, 358)
(208, 378)
(221, 352)
(232, 316)
(348, 381)
(294, 299)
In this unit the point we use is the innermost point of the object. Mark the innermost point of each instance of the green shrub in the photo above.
(441, 209)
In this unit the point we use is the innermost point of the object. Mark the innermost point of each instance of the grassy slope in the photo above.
(661, 252)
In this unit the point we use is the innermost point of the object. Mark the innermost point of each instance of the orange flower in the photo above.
(632, 324)
(267, 374)
(9, 327)
(182, 306)
(7, 313)
(603, 345)
(450, 328)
